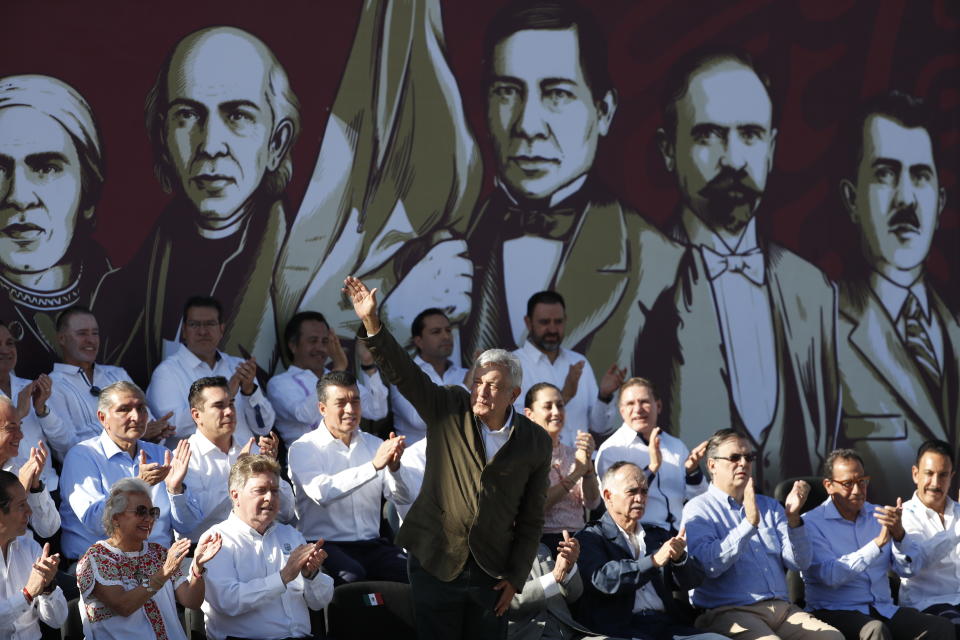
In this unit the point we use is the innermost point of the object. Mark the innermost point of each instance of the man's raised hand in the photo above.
(364, 303)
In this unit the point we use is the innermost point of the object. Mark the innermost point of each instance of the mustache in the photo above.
(905, 216)
(731, 180)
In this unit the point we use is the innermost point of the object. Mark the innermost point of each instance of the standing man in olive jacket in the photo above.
(473, 532)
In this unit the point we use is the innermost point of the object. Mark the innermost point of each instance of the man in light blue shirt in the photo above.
(855, 544)
(745, 542)
(94, 465)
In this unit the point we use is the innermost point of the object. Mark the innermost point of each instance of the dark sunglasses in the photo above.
(95, 391)
(142, 511)
(737, 457)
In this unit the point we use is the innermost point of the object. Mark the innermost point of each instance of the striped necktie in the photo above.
(918, 341)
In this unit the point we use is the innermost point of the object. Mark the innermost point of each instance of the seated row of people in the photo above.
(618, 575)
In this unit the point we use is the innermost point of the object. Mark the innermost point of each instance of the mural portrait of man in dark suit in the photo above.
(222, 118)
(550, 223)
(745, 337)
(899, 344)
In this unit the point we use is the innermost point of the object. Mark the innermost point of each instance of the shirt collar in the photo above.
(831, 512)
(70, 369)
(723, 496)
(204, 445)
(701, 235)
(189, 358)
(916, 504)
(893, 296)
(535, 354)
(324, 437)
(556, 198)
(111, 449)
(505, 429)
(239, 525)
(423, 364)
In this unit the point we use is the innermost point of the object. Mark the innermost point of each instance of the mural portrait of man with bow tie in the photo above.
(550, 224)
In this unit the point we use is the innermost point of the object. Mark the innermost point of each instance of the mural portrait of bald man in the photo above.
(221, 118)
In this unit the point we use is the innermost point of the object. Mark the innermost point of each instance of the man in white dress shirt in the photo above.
(293, 393)
(198, 357)
(77, 380)
(589, 408)
(433, 340)
(339, 474)
(28, 592)
(94, 465)
(45, 521)
(214, 450)
(266, 575)
(932, 519)
(673, 471)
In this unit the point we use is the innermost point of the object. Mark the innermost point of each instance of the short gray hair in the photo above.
(615, 468)
(117, 500)
(108, 395)
(505, 360)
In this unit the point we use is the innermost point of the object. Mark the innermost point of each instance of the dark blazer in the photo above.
(466, 505)
(888, 410)
(611, 577)
(682, 350)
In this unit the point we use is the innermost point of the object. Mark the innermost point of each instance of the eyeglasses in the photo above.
(735, 458)
(142, 511)
(206, 324)
(95, 391)
(849, 484)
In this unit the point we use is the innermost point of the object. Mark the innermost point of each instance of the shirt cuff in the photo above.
(695, 477)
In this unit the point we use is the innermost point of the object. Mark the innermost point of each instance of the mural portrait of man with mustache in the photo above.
(899, 343)
(51, 176)
(744, 339)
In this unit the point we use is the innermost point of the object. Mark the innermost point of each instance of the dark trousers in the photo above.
(906, 624)
(461, 608)
(365, 560)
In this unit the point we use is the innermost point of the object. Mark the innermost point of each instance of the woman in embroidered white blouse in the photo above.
(129, 587)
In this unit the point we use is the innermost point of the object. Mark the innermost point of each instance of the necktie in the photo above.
(749, 264)
(918, 341)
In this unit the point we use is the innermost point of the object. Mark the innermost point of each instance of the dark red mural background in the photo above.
(823, 58)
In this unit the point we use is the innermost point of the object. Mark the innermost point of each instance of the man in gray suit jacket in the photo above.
(745, 338)
(541, 611)
(474, 530)
(899, 343)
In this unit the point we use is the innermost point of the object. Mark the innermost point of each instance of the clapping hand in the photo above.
(567, 553)
(153, 472)
(656, 456)
(44, 570)
(178, 466)
(31, 470)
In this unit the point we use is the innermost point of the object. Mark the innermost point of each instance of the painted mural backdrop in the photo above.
(750, 203)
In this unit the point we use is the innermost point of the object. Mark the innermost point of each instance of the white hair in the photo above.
(505, 360)
(117, 500)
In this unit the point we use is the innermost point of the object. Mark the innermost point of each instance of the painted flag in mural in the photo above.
(397, 176)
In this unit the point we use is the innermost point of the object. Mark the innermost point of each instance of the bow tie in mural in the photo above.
(555, 224)
(749, 264)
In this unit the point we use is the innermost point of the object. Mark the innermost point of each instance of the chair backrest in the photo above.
(817, 493)
(364, 610)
